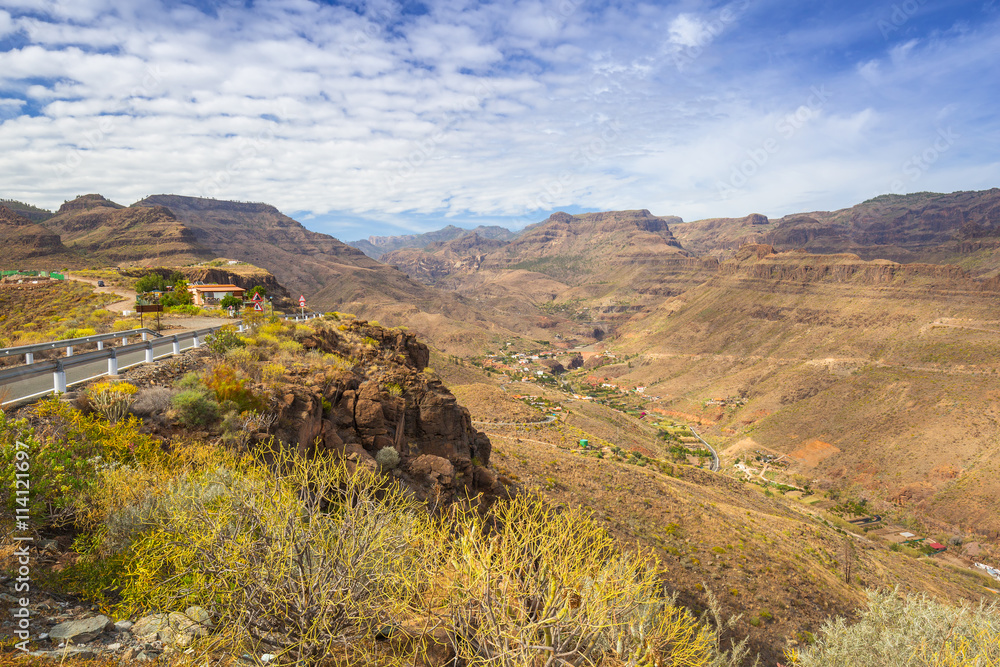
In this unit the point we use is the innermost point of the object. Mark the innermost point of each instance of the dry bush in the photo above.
(241, 427)
(912, 631)
(292, 554)
(536, 586)
(151, 401)
(245, 359)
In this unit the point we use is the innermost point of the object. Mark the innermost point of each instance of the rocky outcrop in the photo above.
(24, 239)
(386, 400)
(86, 203)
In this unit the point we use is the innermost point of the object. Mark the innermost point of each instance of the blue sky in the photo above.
(363, 118)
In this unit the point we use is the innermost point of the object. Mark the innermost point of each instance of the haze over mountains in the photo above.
(376, 246)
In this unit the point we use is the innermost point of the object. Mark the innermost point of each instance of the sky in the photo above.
(361, 118)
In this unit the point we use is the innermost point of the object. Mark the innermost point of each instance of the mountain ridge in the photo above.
(377, 246)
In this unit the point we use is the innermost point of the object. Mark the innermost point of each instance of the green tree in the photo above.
(150, 282)
(256, 289)
(230, 301)
(181, 294)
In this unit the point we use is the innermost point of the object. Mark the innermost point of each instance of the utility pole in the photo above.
(848, 559)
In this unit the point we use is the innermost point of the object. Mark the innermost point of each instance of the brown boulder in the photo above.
(434, 468)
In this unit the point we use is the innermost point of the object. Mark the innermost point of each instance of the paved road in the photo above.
(547, 420)
(30, 387)
(715, 455)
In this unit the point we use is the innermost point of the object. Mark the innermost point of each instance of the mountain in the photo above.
(114, 234)
(28, 211)
(958, 228)
(585, 271)
(376, 246)
(331, 274)
(29, 245)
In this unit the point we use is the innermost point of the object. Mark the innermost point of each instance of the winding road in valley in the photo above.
(715, 455)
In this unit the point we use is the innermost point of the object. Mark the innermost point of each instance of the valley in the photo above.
(831, 366)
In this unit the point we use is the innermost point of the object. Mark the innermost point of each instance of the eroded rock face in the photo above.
(386, 400)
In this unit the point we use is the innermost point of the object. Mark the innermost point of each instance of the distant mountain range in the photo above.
(376, 246)
(590, 272)
(958, 228)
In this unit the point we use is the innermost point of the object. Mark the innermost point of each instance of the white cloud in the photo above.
(689, 30)
(505, 109)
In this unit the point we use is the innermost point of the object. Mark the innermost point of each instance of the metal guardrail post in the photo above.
(177, 344)
(124, 341)
(145, 336)
(113, 362)
(29, 358)
(149, 352)
(100, 345)
(69, 350)
(197, 340)
(59, 379)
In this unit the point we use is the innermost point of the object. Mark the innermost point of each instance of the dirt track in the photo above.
(127, 295)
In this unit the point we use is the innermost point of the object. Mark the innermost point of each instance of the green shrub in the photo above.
(224, 340)
(195, 409)
(387, 458)
(907, 631)
(190, 380)
(65, 452)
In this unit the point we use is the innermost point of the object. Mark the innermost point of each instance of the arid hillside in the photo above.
(888, 371)
(332, 275)
(777, 560)
(585, 272)
(109, 233)
(28, 245)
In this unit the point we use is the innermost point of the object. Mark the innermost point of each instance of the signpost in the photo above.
(258, 302)
(154, 308)
(302, 304)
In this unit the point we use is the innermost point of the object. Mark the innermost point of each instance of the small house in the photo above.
(211, 295)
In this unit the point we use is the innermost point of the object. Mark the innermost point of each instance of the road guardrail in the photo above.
(152, 344)
(29, 351)
(57, 368)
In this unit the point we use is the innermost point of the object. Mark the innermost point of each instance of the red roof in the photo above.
(216, 288)
(935, 545)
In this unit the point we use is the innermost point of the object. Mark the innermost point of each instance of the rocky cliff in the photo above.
(918, 227)
(29, 245)
(387, 399)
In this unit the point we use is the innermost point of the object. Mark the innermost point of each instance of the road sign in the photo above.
(156, 308)
(302, 301)
(259, 308)
(256, 297)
